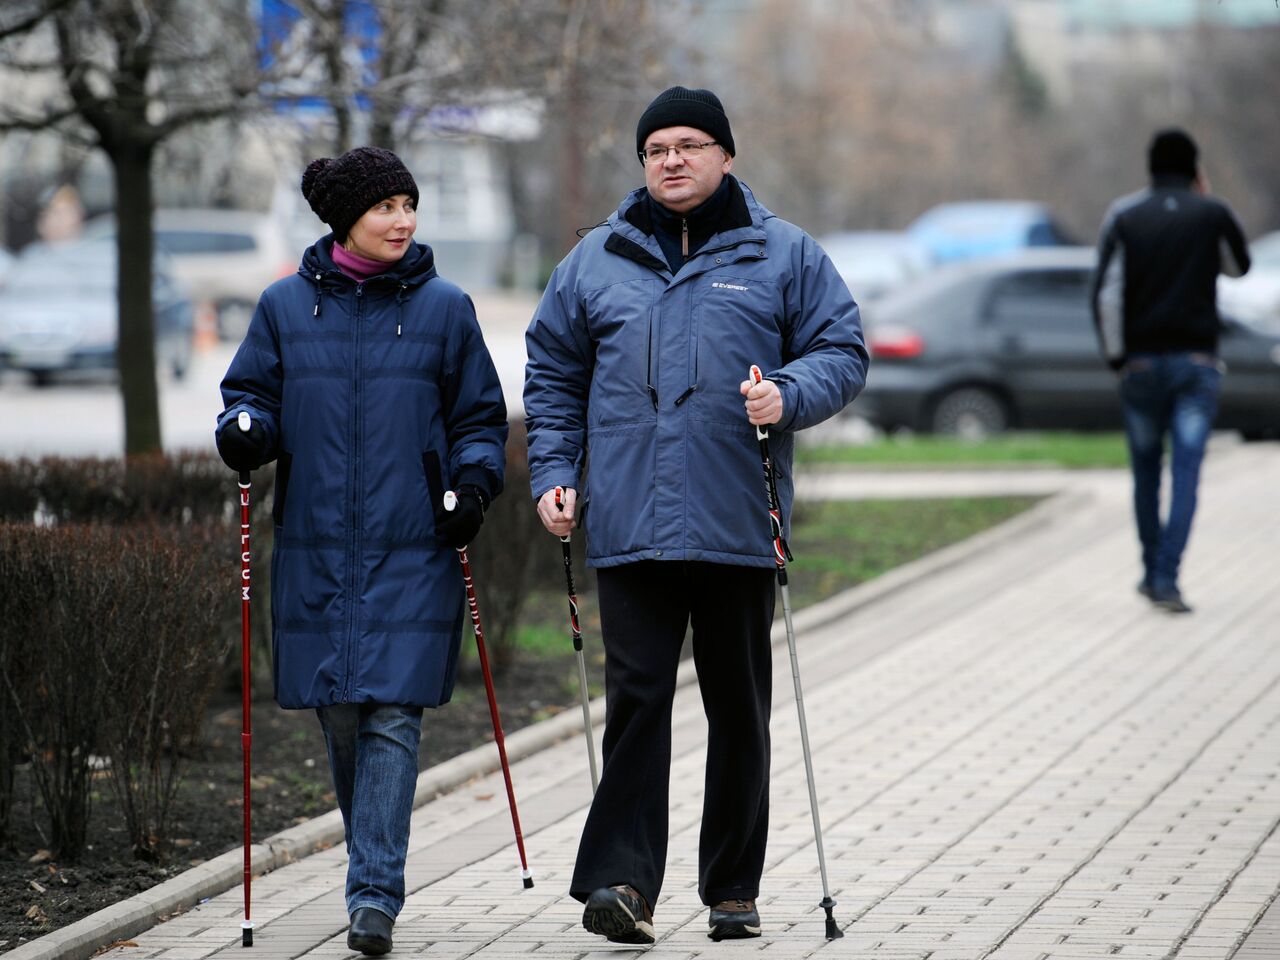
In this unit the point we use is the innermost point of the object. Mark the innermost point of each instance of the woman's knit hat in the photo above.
(682, 107)
(341, 189)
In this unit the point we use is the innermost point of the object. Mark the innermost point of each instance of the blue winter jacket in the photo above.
(376, 397)
(636, 372)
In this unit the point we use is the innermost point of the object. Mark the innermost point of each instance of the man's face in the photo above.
(680, 183)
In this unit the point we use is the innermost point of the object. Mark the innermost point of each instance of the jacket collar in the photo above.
(415, 268)
(741, 221)
(1171, 181)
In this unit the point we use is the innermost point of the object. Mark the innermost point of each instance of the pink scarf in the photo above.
(356, 267)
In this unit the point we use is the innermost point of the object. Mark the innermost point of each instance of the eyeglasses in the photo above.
(684, 150)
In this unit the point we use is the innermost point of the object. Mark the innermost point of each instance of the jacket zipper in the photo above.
(684, 238)
(354, 540)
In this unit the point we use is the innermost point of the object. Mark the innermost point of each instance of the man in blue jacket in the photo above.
(638, 355)
(1155, 307)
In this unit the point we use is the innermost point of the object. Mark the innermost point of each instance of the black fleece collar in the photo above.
(731, 212)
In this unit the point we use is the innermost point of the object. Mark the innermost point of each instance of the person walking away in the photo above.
(1155, 308)
(368, 382)
(638, 354)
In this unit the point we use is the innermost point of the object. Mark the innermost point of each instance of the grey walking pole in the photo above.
(576, 633)
(244, 422)
(781, 554)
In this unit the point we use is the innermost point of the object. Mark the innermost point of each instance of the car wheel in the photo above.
(233, 319)
(970, 412)
(42, 378)
(181, 361)
(1259, 435)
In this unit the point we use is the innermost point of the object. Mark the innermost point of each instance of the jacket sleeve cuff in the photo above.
(790, 403)
(476, 476)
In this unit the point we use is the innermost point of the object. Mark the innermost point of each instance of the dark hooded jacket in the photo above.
(376, 397)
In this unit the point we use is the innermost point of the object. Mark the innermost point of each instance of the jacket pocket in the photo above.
(284, 464)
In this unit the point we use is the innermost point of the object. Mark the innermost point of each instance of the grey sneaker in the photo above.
(734, 920)
(619, 914)
(1169, 599)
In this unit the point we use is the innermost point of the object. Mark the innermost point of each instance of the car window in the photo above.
(1050, 300)
(180, 242)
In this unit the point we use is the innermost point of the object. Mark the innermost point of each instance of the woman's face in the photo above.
(384, 231)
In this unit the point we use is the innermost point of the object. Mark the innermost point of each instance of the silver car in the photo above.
(58, 312)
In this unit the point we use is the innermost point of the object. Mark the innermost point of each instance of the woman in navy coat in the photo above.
(366, 378)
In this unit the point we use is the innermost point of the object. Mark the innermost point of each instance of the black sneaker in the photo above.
(619, 914)
(734, 920)
(1146, 589)
(1169, 599)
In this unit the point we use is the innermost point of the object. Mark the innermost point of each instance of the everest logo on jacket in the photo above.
(721, 285)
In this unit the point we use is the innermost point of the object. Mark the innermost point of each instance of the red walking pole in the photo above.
(450, 502)
(246, 730)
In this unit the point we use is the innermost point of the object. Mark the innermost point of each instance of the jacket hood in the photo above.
(416, 267)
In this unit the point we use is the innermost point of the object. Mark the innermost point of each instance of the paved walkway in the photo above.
(1017, 759)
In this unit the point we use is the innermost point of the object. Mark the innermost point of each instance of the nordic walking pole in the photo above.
(781, 554)
(450, 502)
(576, 632)
(244, 422)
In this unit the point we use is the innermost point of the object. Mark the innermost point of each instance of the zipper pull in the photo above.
(686, 395)
(653, 395)
(684, 237)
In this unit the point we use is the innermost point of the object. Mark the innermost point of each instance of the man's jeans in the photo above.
(1177, 394)
(373, 753)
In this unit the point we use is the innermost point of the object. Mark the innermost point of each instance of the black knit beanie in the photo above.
(682, 107)
(1172, 151)
(341, 189)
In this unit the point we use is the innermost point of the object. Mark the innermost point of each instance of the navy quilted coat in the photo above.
(641, 369)
(376, 397)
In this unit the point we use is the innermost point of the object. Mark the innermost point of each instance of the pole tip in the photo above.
(833, 929)
(246, 934)
(527, 878)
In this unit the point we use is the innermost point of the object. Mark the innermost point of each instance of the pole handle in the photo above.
(244, 422)
(755, 376)
(560, 506)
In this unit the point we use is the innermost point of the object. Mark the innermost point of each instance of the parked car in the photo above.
(58, 312)
(984, 228)
(1255, 297)
(225, 258)
(873, 263)
(1007, 342)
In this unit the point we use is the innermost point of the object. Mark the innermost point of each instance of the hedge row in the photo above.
(121, 618)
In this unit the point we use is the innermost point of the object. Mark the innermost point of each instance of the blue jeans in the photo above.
(373, 753)
(1174, 394)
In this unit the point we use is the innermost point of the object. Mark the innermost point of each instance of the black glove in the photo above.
(459, 526)
(242, 449)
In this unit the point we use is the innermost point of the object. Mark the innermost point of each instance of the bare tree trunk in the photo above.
(135, 353)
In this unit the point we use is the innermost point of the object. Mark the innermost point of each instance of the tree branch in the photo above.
(46, 10)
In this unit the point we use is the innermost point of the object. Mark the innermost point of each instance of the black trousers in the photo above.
(645, 608)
